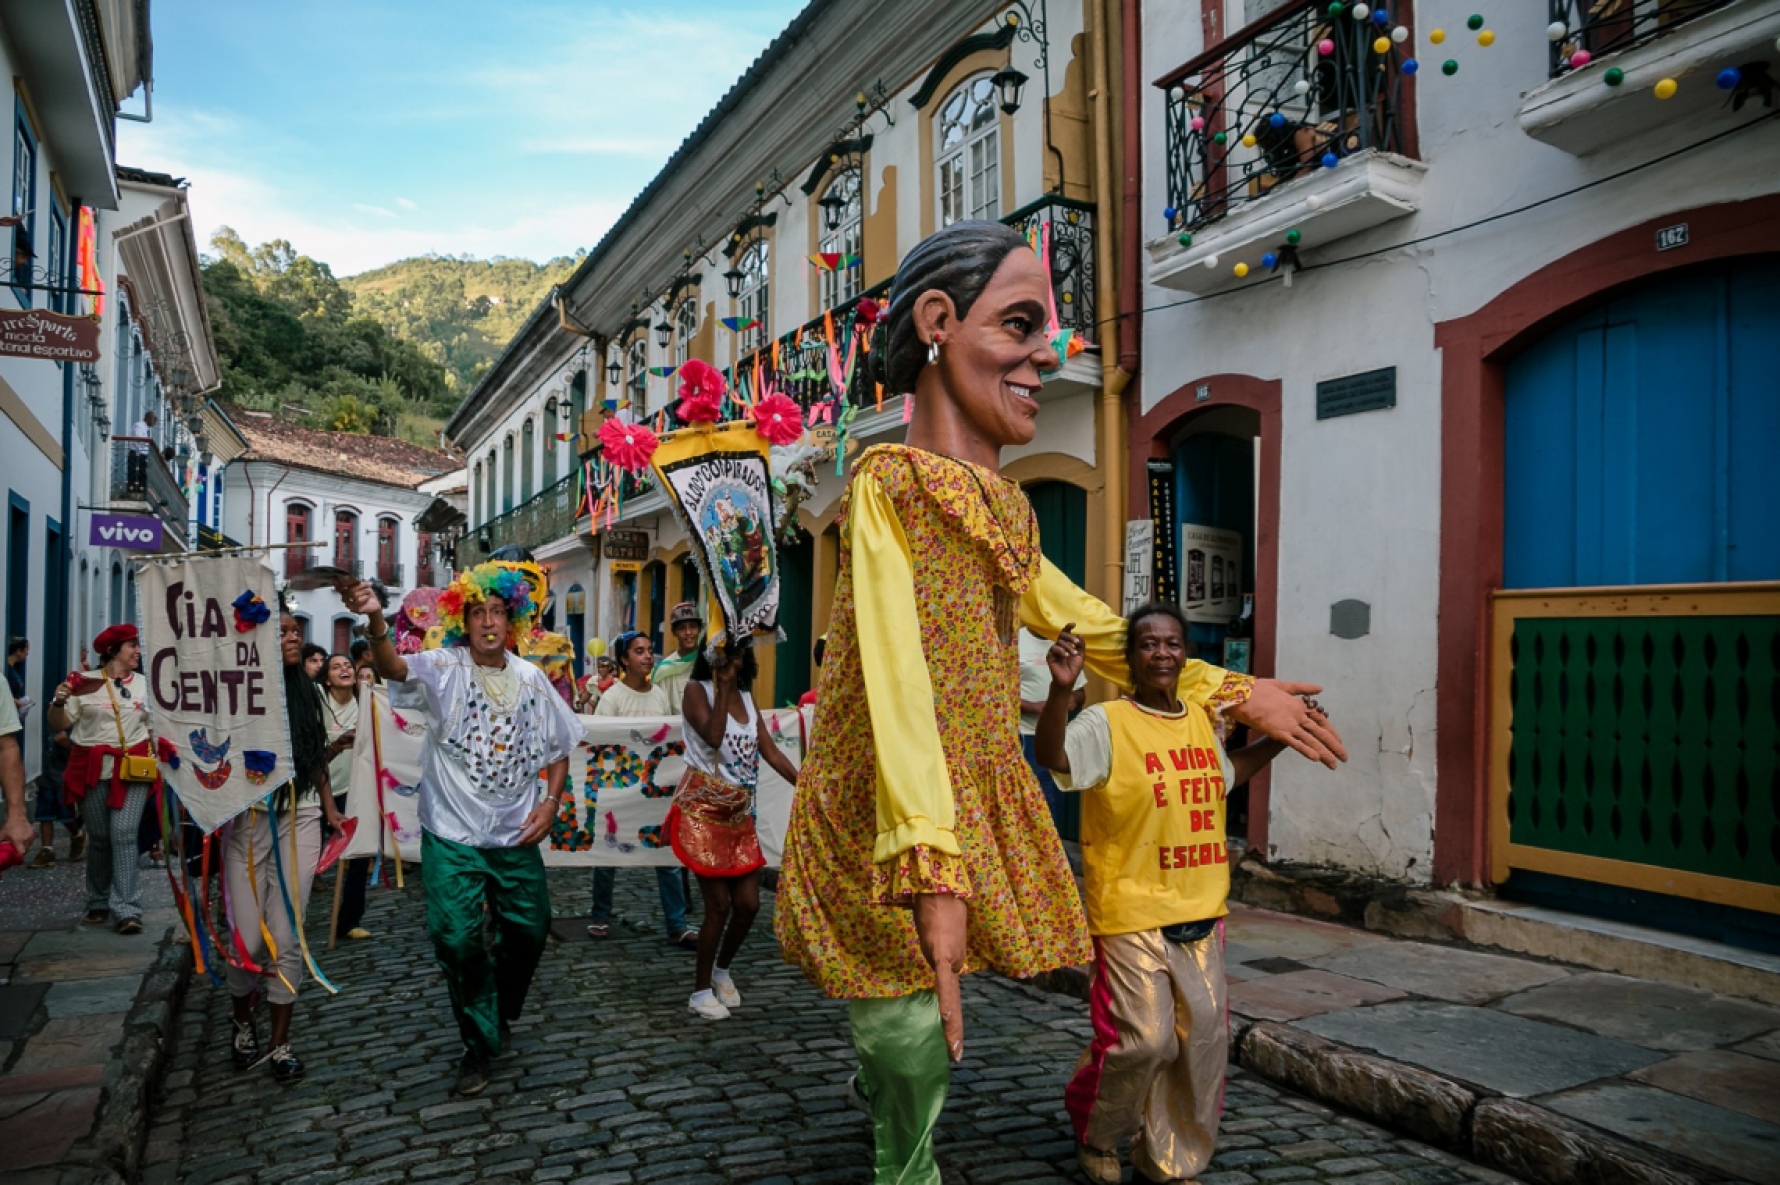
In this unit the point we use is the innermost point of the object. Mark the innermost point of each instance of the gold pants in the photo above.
(1155, 1070)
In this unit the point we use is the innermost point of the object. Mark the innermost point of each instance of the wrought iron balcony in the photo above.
(1071, 232)
(389, 573)
(545, 518)
(1295, 92)
(139, 475)
(1597, 28)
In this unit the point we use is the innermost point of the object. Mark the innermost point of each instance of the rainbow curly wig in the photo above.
(521, 585)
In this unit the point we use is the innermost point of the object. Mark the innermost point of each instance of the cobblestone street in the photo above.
(613, 1081)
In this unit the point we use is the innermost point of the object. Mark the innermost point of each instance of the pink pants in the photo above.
(1155, 1070)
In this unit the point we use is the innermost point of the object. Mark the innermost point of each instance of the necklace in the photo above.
(499, 686)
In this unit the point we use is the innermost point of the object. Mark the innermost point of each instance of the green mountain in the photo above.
(458, 311)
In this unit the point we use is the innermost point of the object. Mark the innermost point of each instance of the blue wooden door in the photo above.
(1643, 438)
(1214, 477)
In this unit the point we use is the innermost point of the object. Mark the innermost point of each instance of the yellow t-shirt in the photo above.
(1154, 850)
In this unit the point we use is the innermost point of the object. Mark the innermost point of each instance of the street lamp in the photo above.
(664, 332)
(614, 372)
(732, 280)
(833, 207)
(1009, 82)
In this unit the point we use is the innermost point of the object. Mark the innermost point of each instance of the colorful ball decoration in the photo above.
(1294, 236)
(1325, 47)
(1170, 213)
(1474, 22)
(1728, 78)
(1270, 261)
(1211, 263)
(1276, 120)
(1382, 45)
(1335, 8)
(1361, 12)
(1580, 58)
(1449, 67)
(1301, 87)
(1666, 88)
(1185, 239)
(1240, 270)
(1380, 17)
(1248, 139)
(1313, 201)
(1330, 160)
(1614, 76)
(1410, 66)
(1197, 123)
(1437, 36)
(1219, 138)
(1556, 31)
(1486, 38)
(1400, 34)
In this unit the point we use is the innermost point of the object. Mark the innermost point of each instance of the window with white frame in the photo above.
(843, 197)
(636, 380)
(754, 302)
(685, 329)
(967, 144)
(24, 193)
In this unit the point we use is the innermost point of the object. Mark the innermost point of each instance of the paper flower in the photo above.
(450, 603)
(628, 446)
(421, 608)
(411, 643)
(250, 611)
(701, 392)
(867, 312)
(435, 638)
(778, 418)
(260, 765)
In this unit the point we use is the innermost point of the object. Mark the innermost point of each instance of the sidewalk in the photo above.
(83, 1019)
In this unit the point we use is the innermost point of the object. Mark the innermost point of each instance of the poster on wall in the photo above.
(216, 681)
(1211, 573)
(1162, 514)
(621, 781)
(1140, 547)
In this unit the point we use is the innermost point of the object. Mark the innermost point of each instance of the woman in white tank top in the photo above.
(711, 824)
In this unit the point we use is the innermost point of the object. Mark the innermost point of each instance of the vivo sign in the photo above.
(133, 531)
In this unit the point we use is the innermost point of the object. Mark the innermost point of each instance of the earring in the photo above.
(933, 350)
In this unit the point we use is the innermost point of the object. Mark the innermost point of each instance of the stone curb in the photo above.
(112, 1153)
(1517, 1137)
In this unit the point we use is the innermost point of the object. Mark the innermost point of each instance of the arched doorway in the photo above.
(1631, 771)
(1062, 513)
(1214, 456)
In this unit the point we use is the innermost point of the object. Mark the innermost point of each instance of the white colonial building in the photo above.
(355, 497)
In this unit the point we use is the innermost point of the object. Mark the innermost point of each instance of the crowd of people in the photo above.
(921, 844)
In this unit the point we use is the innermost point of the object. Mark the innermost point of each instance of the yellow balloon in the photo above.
(1666, 88)
(1241, 270)
(596, 647)
(1382, 45)
(1437, 36)
(1486, 39)
(1248, 140)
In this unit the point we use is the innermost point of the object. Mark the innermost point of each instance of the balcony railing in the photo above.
(138, 474)
(1071, 245)
(1607, 28)
(1269, 104)
(539, 520)
(389, 573)
(299, 559)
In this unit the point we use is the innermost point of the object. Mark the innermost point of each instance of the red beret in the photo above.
(111, 637)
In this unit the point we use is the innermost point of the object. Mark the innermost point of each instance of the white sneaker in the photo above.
(724, 989)
(707, 1005)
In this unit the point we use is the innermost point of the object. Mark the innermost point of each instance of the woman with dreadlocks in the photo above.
(269, 857)
(915, 793)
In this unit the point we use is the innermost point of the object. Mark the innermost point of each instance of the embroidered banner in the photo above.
(621, 781)
(720, 483)
(210, 651)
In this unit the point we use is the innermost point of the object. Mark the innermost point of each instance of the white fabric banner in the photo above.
(621, 781)
(216, 681)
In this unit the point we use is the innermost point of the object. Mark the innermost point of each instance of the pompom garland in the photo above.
(628, 446)
(702, 388)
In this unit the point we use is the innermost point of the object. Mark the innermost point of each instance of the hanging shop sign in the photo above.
(1211, 573)
(1140, 548)
(625, 545)
(626, 567)
(1165, 586)
(36, 333)
(133, 532)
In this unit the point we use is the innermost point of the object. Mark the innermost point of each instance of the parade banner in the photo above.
(621, 781)
(720, 484)
(216, 679)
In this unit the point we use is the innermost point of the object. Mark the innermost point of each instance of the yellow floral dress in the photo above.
(940, 562)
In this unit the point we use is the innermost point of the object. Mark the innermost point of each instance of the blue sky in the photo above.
(366, 131)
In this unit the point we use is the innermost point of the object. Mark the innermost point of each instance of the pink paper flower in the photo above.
(628, 446)
(701, 392)
(421, 607)
(778, 418)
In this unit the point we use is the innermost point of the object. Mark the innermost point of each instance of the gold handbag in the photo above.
(142, 768)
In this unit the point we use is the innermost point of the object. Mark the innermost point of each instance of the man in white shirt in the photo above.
(500, 723)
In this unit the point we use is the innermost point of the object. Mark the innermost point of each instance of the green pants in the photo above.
(488, 982)
(904, 1072)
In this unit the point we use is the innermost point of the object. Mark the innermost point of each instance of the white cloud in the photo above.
(407, 203)
(377, 210)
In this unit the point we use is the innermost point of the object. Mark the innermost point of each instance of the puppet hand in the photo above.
(940, 922)
(1279, 710)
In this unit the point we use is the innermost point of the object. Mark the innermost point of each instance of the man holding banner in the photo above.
(481, 812)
